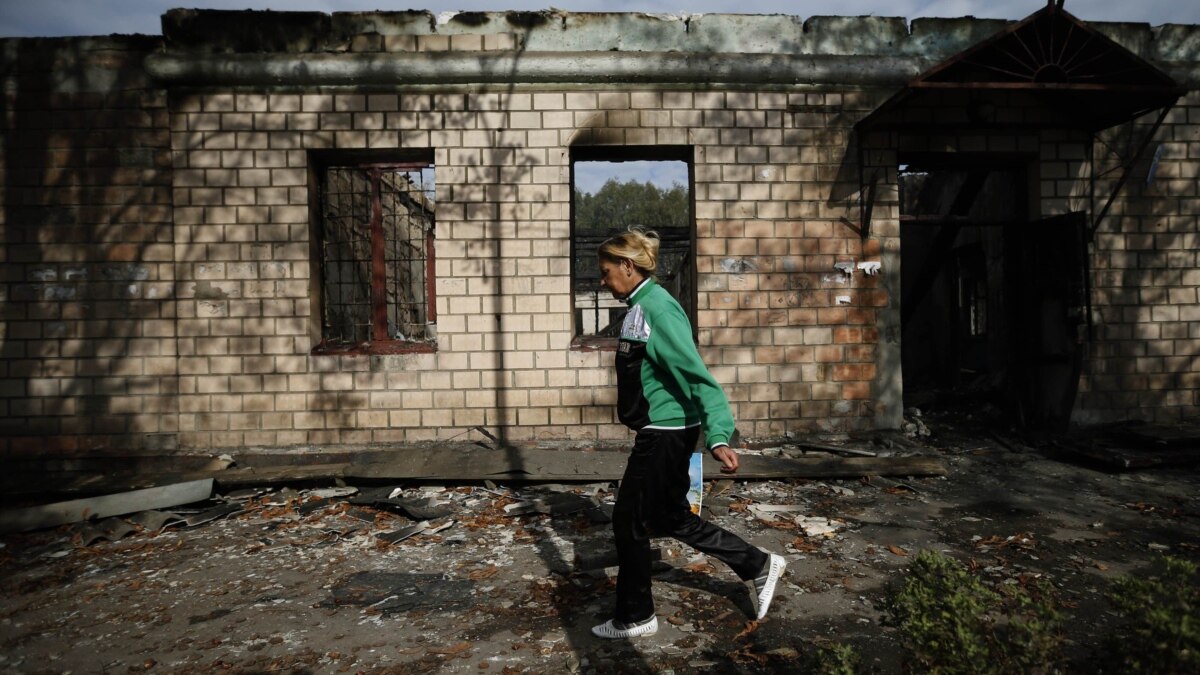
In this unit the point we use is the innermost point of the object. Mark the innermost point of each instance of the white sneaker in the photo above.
(764, 584)
(617, 630)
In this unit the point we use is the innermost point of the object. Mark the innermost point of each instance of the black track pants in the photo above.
(652, 501)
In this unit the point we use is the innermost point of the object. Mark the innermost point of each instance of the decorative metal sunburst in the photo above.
(1051, 47)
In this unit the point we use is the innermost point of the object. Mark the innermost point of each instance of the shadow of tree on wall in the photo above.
(1140, 362)
(510, 222)
(88, 347)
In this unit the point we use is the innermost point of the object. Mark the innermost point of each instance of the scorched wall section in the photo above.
(87, 310)
(790, 353)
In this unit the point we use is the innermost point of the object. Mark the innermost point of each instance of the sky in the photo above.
(591, 176)
(33, 18)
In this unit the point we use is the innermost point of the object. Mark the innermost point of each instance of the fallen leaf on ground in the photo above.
(480, 575)
(803, 545)
(751, 626)
(896, 550)
(451, 651)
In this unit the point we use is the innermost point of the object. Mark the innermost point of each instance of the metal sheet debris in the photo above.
(396, 536)
(109, 529)
(77, 510)
(155, 521)
(208, 515)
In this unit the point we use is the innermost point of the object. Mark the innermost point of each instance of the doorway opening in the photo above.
(991, 296)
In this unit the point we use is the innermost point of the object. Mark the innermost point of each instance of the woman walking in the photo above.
(666, 395)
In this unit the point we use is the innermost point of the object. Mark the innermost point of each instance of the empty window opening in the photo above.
(375, 247)
(614, 189)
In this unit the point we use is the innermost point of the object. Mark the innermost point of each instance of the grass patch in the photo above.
(951, 622)
(1161, 630)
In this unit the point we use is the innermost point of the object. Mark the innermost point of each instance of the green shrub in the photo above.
(951, 622)
(833, 659)
(1162, 628)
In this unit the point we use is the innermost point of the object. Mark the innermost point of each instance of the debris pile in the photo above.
(407, 576)
(913, 425)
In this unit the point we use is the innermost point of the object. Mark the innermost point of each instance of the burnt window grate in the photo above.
(376, 248)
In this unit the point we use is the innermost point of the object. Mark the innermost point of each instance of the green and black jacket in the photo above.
(661, 381)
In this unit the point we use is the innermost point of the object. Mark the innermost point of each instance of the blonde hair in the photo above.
(638, 246)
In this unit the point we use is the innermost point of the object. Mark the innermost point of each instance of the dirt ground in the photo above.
(295, 581)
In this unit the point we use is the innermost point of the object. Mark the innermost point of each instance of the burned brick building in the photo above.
(296, 230)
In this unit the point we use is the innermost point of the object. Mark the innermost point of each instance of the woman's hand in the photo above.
(727, 456)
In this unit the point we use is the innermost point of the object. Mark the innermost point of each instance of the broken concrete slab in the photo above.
(483, 464)
(77, 510)
(752, 467)
(591, 466)
(462, 463)
(62, 482)
(269, 475)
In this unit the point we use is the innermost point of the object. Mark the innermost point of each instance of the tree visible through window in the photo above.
(375, 239)
(614, 189)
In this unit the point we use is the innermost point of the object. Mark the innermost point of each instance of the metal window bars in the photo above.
(597, 313)
(377, 229)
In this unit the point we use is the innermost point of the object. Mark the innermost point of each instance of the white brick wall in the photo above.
(206, 238)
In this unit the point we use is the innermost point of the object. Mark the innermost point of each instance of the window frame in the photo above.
(632, 153)
(374, 162)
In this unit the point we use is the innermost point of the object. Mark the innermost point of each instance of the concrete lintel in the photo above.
(393, 69)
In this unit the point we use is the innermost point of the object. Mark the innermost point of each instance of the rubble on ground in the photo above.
(509, 577)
